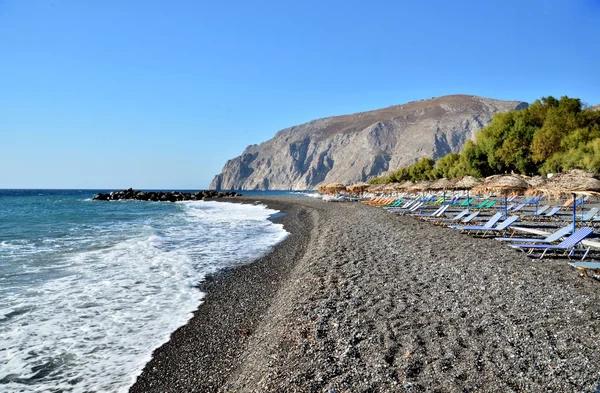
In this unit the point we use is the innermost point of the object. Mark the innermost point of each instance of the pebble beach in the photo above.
(356, 299)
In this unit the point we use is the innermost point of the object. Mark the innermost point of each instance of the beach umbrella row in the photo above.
(574, 182)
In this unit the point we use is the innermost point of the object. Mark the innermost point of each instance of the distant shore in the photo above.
(357, 299)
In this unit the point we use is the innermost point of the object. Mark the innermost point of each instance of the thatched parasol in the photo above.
(535, 183)
(466, 183)
(331, 188)
(405, 186)
(377, 187)
(422, 185)
(504, 184)
(442, 184)
(575, 182)
(391, 187)
(358, 187)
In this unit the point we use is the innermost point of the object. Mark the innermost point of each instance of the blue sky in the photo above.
(158, 94)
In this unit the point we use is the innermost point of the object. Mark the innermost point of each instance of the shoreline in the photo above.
(359, 300)
(235, 299)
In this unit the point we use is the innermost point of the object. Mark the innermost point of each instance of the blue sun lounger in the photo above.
(464, 220)
(567, 246)
(484, 231)
(551, 214)
(491, 222)
(413, 208)
(456, 218)
(553, 237)
(518, 208)
(588, 218)
(436, 213)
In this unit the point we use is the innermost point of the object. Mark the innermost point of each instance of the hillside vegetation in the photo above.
(549, 136)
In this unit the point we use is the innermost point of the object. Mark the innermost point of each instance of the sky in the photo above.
(160, 94)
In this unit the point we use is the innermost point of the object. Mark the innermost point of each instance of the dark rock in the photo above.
(173, 196)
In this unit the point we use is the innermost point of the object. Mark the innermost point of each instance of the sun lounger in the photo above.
(465, 202)
(590, 269)
(490, 204)
(567, 246)
(481, 205)
(517, 208)
(464, 220)
(550, 215)
(398, 203)
(491, 222)
(406, 205)
(483, 231)
(436, 213)
(553, 237)
(588, 217)
(409, 210)
(457, 217)
(534, 215)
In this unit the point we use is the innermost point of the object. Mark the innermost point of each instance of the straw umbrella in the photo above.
(420, 186)
(332, 188)
(391, 187)
(442, 184)
(358, 187)
(406, 185)
(377, 187)
(505, 184)
(575, 182)
(466, 183)
(534, 184)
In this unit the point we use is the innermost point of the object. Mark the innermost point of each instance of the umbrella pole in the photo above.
(582, 206)
(505, 205)
(574, 213)
(468, 203)
(537, 202)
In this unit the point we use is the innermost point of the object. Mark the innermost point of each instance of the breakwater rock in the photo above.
(160, 196)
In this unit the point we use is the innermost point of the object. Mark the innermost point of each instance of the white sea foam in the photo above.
(94, 326)
(308, 194)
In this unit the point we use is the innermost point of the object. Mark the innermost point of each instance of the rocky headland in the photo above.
(353, 148)
(161, 196)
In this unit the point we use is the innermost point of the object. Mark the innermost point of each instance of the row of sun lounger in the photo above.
(561, 242)
(569, 246)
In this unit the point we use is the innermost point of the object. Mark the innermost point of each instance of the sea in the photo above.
(88, 289)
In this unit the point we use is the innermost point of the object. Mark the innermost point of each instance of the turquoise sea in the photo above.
(88, 289)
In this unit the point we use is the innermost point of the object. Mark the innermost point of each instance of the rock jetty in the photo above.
(160, 196)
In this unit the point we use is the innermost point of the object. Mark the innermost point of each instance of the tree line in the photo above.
(551, 135)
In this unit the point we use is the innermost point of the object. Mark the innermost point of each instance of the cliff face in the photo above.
(352, 148)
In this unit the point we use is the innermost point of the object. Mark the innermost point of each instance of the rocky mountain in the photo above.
(595, 108)
(355, 147)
